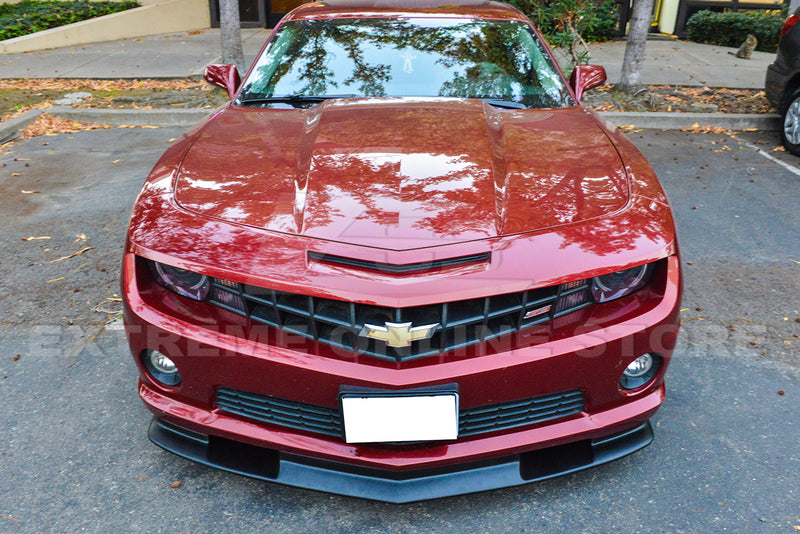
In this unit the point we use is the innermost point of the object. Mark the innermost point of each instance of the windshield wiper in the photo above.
(499, 103)
(297, 100)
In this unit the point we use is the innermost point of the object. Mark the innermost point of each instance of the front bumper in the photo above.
(343, 479)
(189, 423)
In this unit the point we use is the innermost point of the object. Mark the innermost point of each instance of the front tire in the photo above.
(790, 133)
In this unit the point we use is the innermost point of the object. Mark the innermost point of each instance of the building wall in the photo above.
(165, 16)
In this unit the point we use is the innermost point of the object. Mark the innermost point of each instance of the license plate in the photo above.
(377, 419)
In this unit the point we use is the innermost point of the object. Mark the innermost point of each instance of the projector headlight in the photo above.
(616, 285)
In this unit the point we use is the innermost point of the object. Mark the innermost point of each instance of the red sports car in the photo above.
(402, 263)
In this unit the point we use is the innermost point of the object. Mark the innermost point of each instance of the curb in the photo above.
(188, 117)
(136, 117)
(676, 121)
(10, 129)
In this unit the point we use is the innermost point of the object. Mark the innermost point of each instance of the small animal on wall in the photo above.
(746, 50)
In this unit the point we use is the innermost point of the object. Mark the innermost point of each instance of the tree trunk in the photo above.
(637, 38)
(230, 28)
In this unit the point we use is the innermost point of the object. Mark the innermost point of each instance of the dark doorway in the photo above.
(257, 13)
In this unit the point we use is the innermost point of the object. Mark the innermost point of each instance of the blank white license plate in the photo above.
(401, 418)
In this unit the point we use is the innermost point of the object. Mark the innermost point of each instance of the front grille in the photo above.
(471, 421)
(460, 323)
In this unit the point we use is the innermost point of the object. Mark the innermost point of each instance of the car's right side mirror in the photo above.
(223, 76)
(585, 77)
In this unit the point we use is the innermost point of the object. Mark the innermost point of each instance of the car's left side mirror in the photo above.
(585, 77)
(223, 76)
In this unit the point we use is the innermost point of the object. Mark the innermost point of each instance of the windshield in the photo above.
(500, 61)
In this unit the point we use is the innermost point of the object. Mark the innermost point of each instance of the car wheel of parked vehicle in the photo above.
(790, 134)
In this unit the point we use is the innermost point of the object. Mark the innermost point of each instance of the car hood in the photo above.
(402, 173)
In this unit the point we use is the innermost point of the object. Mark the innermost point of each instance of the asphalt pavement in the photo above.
(75, 457)
(185, 54)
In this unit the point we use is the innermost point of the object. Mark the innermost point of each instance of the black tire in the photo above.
(790, 123)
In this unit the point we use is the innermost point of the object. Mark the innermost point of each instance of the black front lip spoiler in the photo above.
(342, 479)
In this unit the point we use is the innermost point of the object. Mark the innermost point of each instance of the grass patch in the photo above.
(31, 16)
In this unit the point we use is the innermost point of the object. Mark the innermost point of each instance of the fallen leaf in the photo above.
(24, 192)
(176, 484)
(778, 149)
(72, 255)
(35, 238)
(80, 237)
(15, 357)
(116, 161)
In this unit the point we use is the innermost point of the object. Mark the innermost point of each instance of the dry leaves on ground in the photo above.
(50, 125)
(24, 109)
(57, 84)
(696, 128)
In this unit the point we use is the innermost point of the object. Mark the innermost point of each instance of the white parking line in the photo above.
(783, 164)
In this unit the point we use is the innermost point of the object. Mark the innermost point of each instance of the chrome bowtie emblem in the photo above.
(398, 334)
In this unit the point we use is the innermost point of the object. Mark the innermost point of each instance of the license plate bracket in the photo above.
(389, 416)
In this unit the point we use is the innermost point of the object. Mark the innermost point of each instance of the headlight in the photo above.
(186, 283)
(615, 285)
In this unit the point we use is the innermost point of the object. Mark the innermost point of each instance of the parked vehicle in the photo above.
(782, 85)
(404, 262)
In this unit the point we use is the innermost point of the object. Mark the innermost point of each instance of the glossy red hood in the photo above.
(400, 173)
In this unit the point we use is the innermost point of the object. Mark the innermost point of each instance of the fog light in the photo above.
(638, 367)
(161, 368)
(640, 371)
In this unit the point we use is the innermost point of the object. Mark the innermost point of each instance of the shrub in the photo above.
(31, 16)
(731, 29)
(594, 20)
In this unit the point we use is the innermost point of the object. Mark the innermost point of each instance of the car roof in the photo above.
(476, 9)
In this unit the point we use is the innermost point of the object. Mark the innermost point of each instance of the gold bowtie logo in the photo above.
(398, 334)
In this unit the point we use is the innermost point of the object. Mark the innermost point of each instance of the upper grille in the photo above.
(461, 323)
(472, 421)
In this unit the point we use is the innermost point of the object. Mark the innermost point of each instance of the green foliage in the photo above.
(558, 20)
(31, 16)
(731, 29)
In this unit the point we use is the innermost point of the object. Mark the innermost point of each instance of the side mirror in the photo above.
(223, 76)
(585, 77)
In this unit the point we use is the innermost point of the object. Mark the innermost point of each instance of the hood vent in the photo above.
(407, 268)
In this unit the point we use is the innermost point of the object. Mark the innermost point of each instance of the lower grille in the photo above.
(471, 421)
(280, 412)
